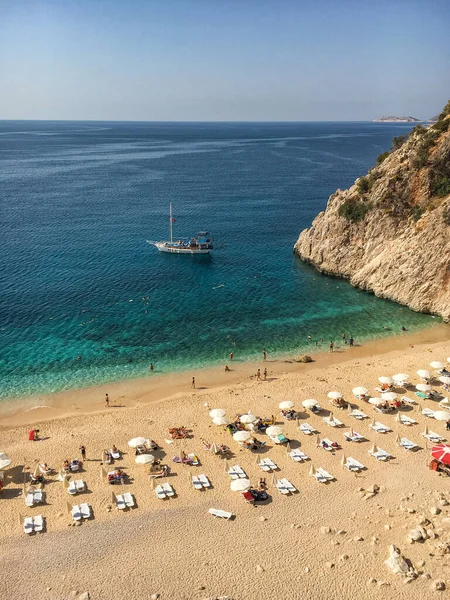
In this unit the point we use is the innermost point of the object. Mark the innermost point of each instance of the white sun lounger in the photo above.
(408, 400)
(34, 497)
(116, 454)
(381, 454)
(267, 465)
(356, 437)
(353, 465)
(196, 483)
(288, 485)
(81, 511)
(428, 413)
(323, 476)
(222, 514)
(433, 437)
(281, 487)
(204, 481)
(120, 501)
(168, 489)
(379, 427)
(237, 472)
(408, 444)
(129, 499)
(38, 523)
(33, 524)
(334, 423)
(298, 455)
(328, 445)
(76, 486)
(404, 420)
(160, 492)
(307, 428)
(358, 414)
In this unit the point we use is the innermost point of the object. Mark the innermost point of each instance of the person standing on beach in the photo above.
(331, 346)
(264, 354)
(258, 375)
(83, 452)
(106, 400)
(352, 341)
(151, 367)
(193, 383)
(265, 374)
(231, 356)
(344, 338)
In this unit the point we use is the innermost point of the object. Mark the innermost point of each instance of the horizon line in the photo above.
(211, 121)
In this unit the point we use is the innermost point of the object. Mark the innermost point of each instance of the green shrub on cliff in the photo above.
(354, 210)
(382, 157)
(441, 186)
(398, 142)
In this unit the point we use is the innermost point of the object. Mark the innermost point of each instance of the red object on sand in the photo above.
(31, 435)
(441, 452)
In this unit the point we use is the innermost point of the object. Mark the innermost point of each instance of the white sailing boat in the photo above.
(201, 244)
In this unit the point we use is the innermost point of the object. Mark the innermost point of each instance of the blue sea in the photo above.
(84, 299)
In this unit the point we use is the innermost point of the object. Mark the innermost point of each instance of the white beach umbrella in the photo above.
(334, 395)
(374, 449)
(217, 412)
(241, 436)
(312, 470)
(220, 421)
(145, 459)
(423, 387)
(435, 364)
(445, 403)
(309, 403)
(331, 417)
(5, 461)
(442, 415)
(390, 396)
(424, 374)
(360, 391)
(286, 404)
(135, 442)
(398, 418)
(240, 485)
(387, 380)
(426, 430)
(445, 379)
(448, 359)
(248, 418)
(376, 401)
(400, 377)
(274, 430)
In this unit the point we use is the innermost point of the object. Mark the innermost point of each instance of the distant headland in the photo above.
(396, 120)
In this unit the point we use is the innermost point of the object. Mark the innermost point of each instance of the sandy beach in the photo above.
(326, 540)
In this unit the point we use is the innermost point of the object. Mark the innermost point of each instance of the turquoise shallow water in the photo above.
(79, 201)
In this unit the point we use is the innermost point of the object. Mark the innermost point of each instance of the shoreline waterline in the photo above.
(133, 393)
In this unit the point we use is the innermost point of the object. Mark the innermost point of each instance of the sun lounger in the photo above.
(267, 465)
(333, 423)
(433, 437)
(407, 444)
(34, 497)
(379, 427)
(404, 420)
(356, 437)
(307, 428)
(288, 485)
(168, 489)
(422, 395)
(428, 413)
(33, 524)
(38, 523)
(120, 502)
(76, 513)
(76, 486)
(353, 465)
(194, 459)
(204, 481)
(358, 414)
(281, 487)
(323, 476)
(129, 499)
(248, 497)
(328, 445)
(28, 525)
(160, 492)
(196, 483)
(222, 514)
(85, 510)
(279, 439)
(298, 456)
(116, 455)
(408, 400)
(236, 472)
(381, 454)
(29, 499)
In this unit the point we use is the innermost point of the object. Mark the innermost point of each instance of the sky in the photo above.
(223, 60)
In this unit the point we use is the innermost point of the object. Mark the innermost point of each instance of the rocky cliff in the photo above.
(390, 232)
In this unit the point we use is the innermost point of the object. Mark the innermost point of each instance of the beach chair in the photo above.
(281, 487)
(248, 497)
(404, 420)
(204, 481)
(408, 444)
(28, 525)
(194, 459)
(356, 437)
(333, 422)
(72, 489)
(267, 465)
(381, 454)
(29, 499)
(120, 501)
(196, 483)
(433, 437)
(38, 523)
(298, 456)
(407, 400)
(76, 512)
(428, 413)
(422, 395)
(116, 455)
(288, 485)
(170, 492)
(323, 476)
(85, 510)
(160, 492)
(328, 445)
(129, 499)
(221, 514)
(353, 465)
(358, 414)
(379, 427)
(307, 429)
(232, 473)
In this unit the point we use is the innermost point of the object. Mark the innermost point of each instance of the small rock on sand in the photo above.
(398, 565)
(325, 530)
(438, 585)
(434, 510)
(84, 596)
(343, 557)
(154, 597)
(259, 569)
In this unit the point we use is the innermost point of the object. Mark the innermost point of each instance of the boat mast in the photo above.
(171, 240)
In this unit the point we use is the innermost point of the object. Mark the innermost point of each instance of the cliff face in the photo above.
(390, 232)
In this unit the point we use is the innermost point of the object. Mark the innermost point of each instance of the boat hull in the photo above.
(164, 247)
